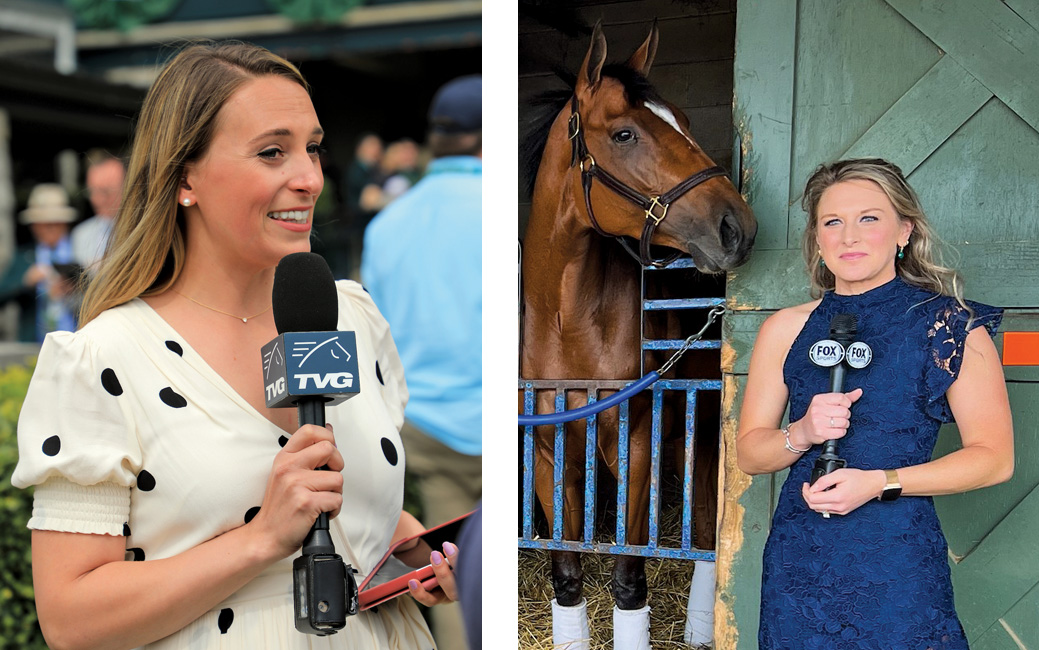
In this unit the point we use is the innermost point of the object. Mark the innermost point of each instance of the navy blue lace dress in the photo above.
(877, 578)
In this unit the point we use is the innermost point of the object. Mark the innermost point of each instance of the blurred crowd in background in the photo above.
(63, 230)
(73, 74)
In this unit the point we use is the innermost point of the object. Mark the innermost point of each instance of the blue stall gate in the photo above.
(691, 387)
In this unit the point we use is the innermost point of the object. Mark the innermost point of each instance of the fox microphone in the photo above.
(309, 365)
(837, 353)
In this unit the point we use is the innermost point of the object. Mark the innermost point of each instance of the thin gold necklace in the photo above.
(244, 319)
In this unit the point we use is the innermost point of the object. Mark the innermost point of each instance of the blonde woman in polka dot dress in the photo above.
(169, 500)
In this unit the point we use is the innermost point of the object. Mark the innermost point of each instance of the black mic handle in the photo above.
(311, 410)
(837, 378)
(827, 462)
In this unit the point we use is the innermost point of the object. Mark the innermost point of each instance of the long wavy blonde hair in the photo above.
(922, 265)
(175, 127)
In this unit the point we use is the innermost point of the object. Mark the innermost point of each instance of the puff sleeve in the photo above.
(947, 335)
(77, 441)
(357, 311)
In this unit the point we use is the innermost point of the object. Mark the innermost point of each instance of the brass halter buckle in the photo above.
(591, 163)
(653, 204)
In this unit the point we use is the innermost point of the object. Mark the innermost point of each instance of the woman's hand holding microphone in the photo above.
(843, 490)
(827, 418)
(297, 491)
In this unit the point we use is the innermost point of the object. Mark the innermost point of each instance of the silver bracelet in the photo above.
(790, 447)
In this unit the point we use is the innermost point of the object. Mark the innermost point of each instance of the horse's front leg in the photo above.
(631, 613)
(569, 609)
(567, 575)
(629, 572)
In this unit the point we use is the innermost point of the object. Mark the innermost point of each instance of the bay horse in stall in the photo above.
(618, 160)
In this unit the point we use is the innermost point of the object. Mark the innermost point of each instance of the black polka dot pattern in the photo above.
(175, 347)
(225, 619)
(390, 451)
(126, 529)
(378, 373)
(172, 398)
(283, 441)
(145, 481)
(251, 512)
(52, 445)
(135, 554)
(111, 382)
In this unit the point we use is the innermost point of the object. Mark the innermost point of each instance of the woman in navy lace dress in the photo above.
(858, 559)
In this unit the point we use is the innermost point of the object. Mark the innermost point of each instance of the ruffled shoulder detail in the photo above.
(76, 428)
(947, 331)
(357, 312)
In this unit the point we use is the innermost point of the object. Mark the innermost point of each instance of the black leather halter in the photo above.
(655, 207)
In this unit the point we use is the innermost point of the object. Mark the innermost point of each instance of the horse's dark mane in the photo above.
(534, 129)
(544, 107)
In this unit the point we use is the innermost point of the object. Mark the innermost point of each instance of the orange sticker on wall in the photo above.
(1021, 349)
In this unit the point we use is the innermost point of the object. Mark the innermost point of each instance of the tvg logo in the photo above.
(276, 388)
(333, 379)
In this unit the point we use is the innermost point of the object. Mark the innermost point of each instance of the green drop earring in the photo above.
(901, 251)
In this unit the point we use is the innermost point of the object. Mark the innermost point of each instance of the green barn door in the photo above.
(950, 92)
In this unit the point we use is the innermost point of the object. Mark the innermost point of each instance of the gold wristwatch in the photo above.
(893, 488)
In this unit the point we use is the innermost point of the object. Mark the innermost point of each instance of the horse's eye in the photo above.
(624, 136)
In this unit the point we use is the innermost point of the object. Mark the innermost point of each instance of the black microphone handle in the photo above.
(837, 378)
(828, 461)
(836, 386)
(311, 410)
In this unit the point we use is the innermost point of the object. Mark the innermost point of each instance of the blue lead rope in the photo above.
(591, 409)
(621, 395)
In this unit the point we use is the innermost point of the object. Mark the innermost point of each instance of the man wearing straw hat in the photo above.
(48, 216)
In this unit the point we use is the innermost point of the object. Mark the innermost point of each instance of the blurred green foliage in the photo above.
(18, 627)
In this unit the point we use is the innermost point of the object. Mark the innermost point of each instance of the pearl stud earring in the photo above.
(186, 202)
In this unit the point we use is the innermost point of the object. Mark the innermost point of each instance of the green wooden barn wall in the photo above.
(950, 92)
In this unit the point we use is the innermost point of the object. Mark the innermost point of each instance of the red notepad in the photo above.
(390, 576)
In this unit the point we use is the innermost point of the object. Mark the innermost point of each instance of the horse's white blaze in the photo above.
(665, 114)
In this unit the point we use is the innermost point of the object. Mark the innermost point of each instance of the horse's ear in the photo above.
(591, 69)
(642, 59)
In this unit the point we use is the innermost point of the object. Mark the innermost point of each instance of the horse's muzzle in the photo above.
(736, 235)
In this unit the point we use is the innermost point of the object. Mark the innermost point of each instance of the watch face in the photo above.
(891, 493)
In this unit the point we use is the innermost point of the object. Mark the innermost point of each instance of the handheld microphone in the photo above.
(832, 353)
(307, 366)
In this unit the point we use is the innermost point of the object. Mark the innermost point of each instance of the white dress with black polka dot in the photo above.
(127, 431)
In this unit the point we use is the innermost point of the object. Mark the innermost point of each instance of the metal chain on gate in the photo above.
(711, 317)
(621, 395)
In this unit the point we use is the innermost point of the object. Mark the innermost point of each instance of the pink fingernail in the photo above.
(413, 584)
(450, 549)
(437, 558)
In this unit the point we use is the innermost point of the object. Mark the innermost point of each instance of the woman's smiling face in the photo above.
(252, 193)
(859, 232)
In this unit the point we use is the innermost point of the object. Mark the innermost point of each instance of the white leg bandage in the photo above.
(631, 629)
(699, 618)
(570, 626)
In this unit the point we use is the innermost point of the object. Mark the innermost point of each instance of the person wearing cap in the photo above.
(48, 216)
(422, 266)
